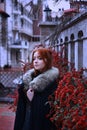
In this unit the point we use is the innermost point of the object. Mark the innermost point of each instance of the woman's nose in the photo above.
(36, 60)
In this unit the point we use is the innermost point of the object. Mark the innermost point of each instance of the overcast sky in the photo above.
(52, 5)
(61, 4)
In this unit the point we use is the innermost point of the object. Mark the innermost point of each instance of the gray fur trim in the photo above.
(27, 78)
(43, 80)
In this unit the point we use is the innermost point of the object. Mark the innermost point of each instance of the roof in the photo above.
(4, 13)
(69, 11)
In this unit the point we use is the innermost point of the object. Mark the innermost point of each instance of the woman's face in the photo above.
(38, 62)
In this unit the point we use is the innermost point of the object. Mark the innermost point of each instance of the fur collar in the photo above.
(40, 82)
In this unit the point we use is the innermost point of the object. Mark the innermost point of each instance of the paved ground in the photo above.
(7, 117)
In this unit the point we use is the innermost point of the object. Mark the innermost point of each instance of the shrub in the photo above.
(68, 105)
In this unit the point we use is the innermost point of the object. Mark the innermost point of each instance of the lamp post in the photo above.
(47, 10)
(0, 55)
(7, 53)
(8, 43)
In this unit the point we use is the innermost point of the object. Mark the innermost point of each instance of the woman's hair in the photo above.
(46, 55)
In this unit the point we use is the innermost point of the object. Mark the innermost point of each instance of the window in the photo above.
(2, 1)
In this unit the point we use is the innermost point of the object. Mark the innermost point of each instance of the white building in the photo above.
(22, 34)
(19, 32)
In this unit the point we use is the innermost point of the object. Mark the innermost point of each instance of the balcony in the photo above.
(29, 19)
(18, 12)
(26, 31)
(19, 45)
(15, 28)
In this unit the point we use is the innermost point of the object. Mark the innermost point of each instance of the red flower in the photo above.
(69, 103)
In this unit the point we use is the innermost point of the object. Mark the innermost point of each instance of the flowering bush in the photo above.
(61, 63)
(69, 102)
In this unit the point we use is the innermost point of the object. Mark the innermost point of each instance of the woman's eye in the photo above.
(39, 58)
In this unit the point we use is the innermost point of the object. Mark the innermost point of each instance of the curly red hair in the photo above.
(46, 55)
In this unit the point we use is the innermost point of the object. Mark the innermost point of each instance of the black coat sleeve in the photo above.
(21, 108)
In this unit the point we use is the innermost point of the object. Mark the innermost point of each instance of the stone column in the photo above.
(76, 55)
(85, 55)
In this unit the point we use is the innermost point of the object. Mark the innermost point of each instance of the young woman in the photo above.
(38, 84)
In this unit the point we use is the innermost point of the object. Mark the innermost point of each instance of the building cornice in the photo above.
(76, 19)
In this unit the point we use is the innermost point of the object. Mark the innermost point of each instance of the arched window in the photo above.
(72, 45)
(66, 39)
(61, 40)
(72, 37)
(66, 47)
(80, 49)
(61, 47)
(80, 34)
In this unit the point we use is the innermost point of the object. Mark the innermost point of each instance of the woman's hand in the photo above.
(30, 94)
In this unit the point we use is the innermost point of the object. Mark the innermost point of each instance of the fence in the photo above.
(8, 75)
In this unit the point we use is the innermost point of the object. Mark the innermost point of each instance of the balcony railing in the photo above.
(18, 45)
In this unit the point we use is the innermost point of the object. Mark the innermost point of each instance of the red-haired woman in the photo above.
(38, 84)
